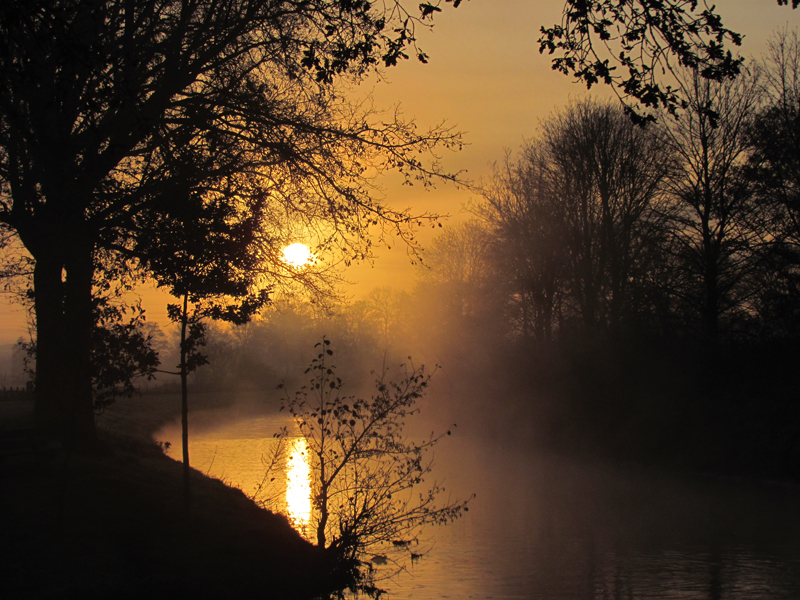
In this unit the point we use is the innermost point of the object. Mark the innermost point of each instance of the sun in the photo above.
(297, 254)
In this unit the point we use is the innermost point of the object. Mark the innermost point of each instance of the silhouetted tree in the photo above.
(113, 110)
(456, 281)
(385, 308)
(631, 45)
(123, 351)
(208, 255)
(368, 479)
(123, 343)
(775, 170)
(717, 229)
(527, 240)
(603, 178)
(16, 266)
(575, 219)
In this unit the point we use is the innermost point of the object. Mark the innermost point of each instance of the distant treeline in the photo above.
(637, 291)
(687, 229)
(17, 393)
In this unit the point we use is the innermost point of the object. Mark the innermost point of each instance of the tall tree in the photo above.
(456, 278)
(575, 219)
(385, 308)
(528, 242)
(716, 231)
(208, 255)
(113, 110)
(604, 177)
(775, 169)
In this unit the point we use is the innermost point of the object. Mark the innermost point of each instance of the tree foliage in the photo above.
(123, 351)
(369, 488)
(631, 45)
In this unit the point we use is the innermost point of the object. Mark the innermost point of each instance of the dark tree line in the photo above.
(633, 291)
(685, 229)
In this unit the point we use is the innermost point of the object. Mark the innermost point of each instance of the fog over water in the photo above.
(609, 314)
(543, 526)
(616, 452)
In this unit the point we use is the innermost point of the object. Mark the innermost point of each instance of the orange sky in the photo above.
(485, 76)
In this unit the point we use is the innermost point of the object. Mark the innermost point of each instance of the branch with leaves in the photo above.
(633, 45)
(368, 487)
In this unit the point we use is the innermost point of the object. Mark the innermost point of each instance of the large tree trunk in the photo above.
(64, 323)
(79, 319)
(51, 409)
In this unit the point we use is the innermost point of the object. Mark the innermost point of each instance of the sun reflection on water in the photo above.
(298, 484)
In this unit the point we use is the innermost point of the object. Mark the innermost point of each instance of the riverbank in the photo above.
(731, 412)
(113, 525)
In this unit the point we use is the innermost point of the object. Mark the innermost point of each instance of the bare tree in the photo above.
(775, 134)
(456, 278)
(574, 219)
(774, 167)
(604, 177)
(716, 230)
(527, 239)
(385, 308)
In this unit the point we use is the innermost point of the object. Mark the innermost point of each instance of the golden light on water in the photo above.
(298, 483)
(297, 254)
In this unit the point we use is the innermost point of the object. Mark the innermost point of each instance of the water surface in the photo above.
(550, 528)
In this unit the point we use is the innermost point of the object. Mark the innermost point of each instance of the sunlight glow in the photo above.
(298, 483)
(297, 254)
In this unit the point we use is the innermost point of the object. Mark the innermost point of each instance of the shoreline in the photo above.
(114, 524)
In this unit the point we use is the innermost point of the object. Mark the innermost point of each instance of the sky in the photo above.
(486, 78)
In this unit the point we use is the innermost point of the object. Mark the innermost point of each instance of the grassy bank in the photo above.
(113, 525)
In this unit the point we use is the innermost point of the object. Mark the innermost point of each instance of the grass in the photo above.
(113, 525)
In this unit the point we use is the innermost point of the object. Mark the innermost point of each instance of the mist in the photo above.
(628, 456)
(615, 384)
(581, 386)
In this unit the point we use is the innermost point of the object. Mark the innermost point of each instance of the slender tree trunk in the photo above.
(323, 523)
(323, 504)
(710, 300)
(185, 404)
(526, 330)
(548, 315)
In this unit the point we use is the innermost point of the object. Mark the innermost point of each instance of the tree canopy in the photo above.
(114, 112)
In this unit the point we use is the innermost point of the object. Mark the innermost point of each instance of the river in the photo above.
(544, 527)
